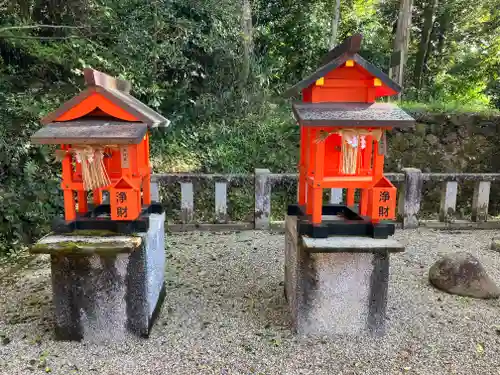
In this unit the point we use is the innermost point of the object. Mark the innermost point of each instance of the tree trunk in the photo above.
(428, 52)
(154, 67)
(424, 42)
(401, 41)
(430, 49)
(444, 24)
(247, 28)
(335, 24)
(25, 7)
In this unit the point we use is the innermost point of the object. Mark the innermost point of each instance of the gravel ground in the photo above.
(225, 314)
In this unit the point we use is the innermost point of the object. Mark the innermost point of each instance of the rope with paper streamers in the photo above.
(94, 174)
(352, 141)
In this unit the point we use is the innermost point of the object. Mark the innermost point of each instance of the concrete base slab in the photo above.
(337, 285)
(106, 287)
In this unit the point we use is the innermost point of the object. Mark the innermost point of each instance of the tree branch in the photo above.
(40, 26)
(41, 37)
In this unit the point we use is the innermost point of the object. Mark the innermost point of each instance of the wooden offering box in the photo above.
(342, 145)
(103, 141)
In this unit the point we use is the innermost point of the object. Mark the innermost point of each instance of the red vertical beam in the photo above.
(363, 204)
(378, 159)
(302, 166)
(367, 162)
(378, 166)
(146, 182)
(97, 196)
(350, 197)
(311, 168)
(367, 170)
(133, 161)
(82, 202)
(67, 175)
(317, 187)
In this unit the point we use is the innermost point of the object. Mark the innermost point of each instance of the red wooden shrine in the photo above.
(342, 133)
(103, 141)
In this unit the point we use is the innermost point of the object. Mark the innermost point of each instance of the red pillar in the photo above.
(302, 166)
(319, 173)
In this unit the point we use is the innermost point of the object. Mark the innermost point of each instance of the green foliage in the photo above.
(450, 107)
(463, 59)
(228, 144)
(29, 187)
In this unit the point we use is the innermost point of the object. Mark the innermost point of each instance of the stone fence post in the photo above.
(409, 197)
(155, 191)
(262, 199)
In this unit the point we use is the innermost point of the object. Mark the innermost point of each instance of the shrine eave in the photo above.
(121, 98)
(352, 115)
(91, 132)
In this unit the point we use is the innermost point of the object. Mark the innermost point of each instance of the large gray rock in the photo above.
(461, 273)
(495, 244)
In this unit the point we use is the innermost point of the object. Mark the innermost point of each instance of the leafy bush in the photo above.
(29, 185)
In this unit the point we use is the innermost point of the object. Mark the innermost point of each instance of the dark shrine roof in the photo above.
(115, 90)
(351, 115)
(91, 132)
(347, 50)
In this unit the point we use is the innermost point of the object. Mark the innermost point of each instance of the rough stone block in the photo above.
(495, 244)
(106, 286)
(337, 285)
(461, 273)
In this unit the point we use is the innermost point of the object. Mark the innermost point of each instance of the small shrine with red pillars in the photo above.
(103, 139)
(343, 145)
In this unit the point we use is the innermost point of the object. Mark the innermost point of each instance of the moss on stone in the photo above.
(83, 247)
(93, 233)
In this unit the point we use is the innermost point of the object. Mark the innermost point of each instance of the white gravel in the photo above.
(225, 314)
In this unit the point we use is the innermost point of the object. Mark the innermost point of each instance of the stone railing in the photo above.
(410, 182)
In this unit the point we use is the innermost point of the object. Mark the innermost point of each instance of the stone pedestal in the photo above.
(106, 286)
(337, 285)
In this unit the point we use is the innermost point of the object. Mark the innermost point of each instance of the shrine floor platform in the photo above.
(225, 313)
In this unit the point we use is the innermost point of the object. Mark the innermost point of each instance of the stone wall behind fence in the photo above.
(452, 143)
